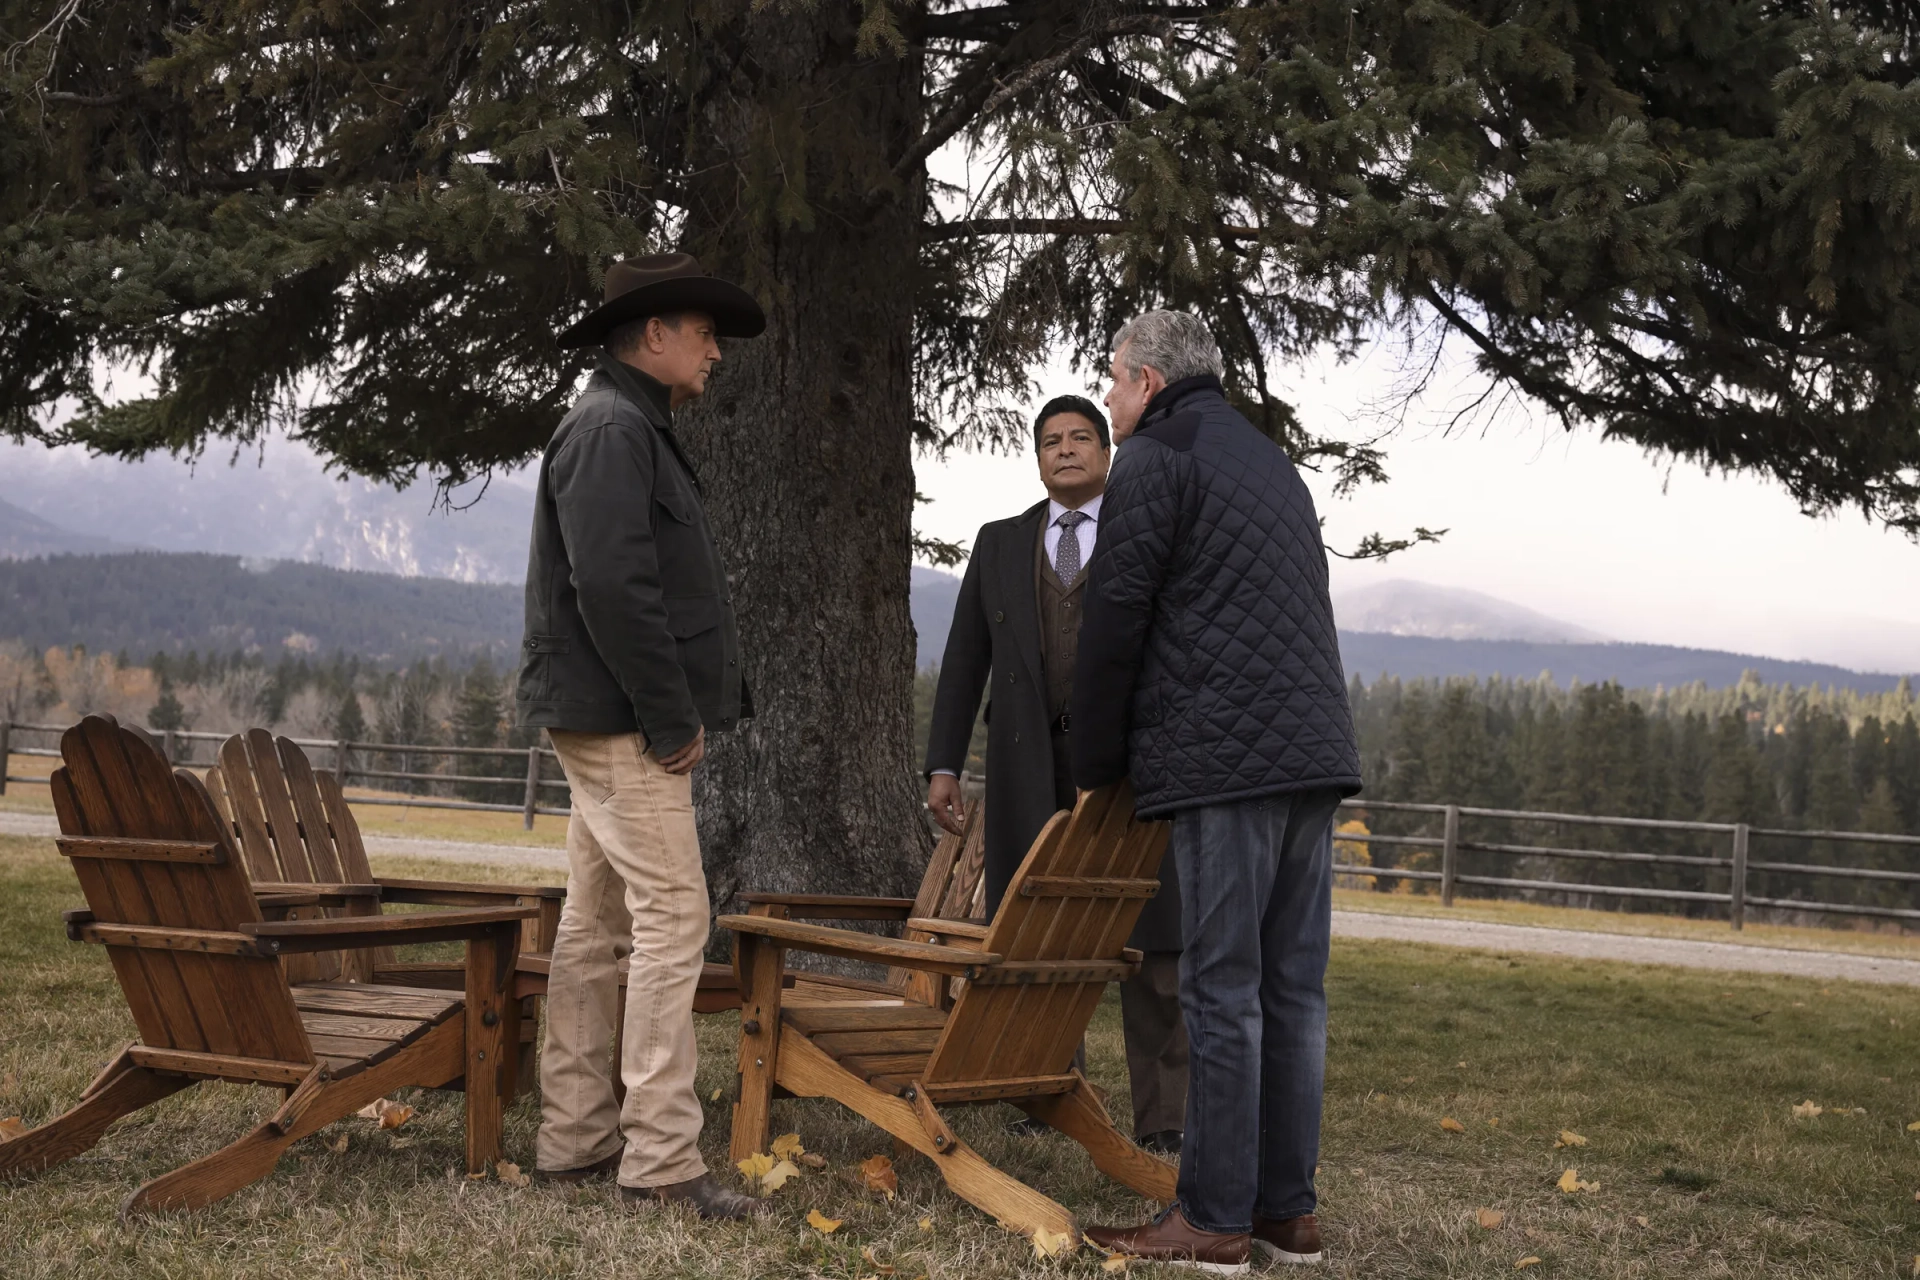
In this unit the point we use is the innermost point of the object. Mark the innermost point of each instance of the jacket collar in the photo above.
(651, 396)
(1174, 392)
(642, 388)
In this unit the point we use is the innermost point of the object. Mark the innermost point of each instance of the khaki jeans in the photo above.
(634, 884)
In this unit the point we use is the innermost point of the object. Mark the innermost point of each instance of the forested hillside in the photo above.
(173, 602)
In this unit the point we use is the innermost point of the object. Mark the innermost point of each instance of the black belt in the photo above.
(1062, 722)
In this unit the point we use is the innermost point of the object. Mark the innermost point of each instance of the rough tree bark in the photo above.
(804, 444)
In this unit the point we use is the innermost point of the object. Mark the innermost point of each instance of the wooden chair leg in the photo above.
(1081, 1117)
(760, 963)
(75, 1131)
(212, 1177)
(491, 1019)
(808, 1072)
(527, 1070)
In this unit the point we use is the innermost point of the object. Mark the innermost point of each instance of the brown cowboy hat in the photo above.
(661, 284)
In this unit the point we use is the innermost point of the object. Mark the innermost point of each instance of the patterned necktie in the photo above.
(1066, 560)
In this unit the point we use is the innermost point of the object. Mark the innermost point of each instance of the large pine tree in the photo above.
(1689, 225)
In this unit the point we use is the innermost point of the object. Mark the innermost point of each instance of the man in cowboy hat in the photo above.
(630, 658)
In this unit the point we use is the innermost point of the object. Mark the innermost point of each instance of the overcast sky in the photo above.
(1596, 533)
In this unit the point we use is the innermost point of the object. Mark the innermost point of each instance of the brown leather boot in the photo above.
(1172, 1240)
(704, 1196)
(598, 1169)
(1294, 1241)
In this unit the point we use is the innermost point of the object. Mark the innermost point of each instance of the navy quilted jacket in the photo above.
(1209, 668)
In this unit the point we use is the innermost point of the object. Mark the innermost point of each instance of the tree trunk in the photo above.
(804, 444)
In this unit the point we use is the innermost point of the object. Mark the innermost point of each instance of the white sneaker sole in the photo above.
(1276, 1254)
(1211, 1268)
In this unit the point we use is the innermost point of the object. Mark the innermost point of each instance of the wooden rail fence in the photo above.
(1732, 864)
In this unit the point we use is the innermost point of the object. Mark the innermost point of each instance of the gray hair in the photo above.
(1175, 343)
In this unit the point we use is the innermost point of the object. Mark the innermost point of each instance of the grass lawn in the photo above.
(1683, 1084)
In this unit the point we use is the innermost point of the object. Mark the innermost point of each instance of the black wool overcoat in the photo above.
(993, 647)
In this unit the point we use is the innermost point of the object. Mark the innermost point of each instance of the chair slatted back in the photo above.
(115, 791)
(951, 886)
(1065, 906)
(281, 823)
(293, 824)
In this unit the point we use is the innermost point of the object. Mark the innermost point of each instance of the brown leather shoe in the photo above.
(1294, 1241)
(598, 1169)
(1172, 1240)
(704, 1196)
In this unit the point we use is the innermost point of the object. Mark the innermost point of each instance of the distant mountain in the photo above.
(1403, 608)
(279, 503)
(932, 596)
(24, 534)
(172, 601)
(1642, 666)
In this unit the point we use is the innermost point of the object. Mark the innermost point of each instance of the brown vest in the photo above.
(1059, 625)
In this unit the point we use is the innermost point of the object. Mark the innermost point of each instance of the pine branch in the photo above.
(971, 227)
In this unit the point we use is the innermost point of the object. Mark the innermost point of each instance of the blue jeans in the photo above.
(1257, 881)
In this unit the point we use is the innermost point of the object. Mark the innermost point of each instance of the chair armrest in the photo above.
(829, 906)
(946, 930)
(448, 893)
(818, 938)
(290, 893)
(353, 933)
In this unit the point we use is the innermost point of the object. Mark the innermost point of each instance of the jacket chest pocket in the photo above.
(681, 546)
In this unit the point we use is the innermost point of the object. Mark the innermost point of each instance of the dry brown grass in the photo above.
(1682, 1082)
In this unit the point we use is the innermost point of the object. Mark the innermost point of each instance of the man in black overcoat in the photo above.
(1016, 632)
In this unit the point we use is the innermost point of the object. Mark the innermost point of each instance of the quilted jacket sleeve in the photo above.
(1140, 521)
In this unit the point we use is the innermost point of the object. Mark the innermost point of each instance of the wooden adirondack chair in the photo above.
(949, 902)
(265, 786)
(205, 979)
(298, 834)
(1030, 984)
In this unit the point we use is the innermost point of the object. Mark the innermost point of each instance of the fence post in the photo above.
(6, 745)
(1737, 908)
(340, 762)
(170, 746)
(533, 785)
(1449, 854)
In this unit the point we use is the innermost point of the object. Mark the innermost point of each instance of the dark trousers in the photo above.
(1257, 884)
(1156, 1034)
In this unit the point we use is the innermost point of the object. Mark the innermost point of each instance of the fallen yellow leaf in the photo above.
(878, 1175)
(1914, 1127)
(778, 1176)
(813, 1161)
(509, 1173)
(12, 1127)
(787, 1144)
(1642, 1220)
(1916, 1264)
(1568, 1138)
(822, 1223)
(472, 1177)
(1050, 1244)
(1807, 1110)
(755, 1167)
(1571, 1181)
(1531, 1260)
(391, 1115)
(1489, 1218)
(715, 1095)
(926, 1224)
(1493, 1122)
(1118, 1262)
(339, 1145)
(1451, 1125)
(878, 1266)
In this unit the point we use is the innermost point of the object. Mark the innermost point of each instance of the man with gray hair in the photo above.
(1210, 674)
